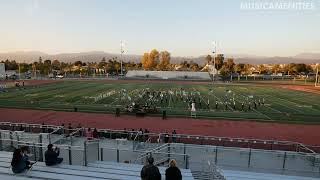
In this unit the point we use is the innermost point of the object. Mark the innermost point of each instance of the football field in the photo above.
(213, 101)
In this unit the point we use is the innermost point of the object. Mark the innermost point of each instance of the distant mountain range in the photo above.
(96, 56)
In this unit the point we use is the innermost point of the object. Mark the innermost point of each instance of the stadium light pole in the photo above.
(317, 72)
(121, 52)
(19, 71)
(214, 57)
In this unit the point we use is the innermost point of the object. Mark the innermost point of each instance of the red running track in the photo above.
(307, 134)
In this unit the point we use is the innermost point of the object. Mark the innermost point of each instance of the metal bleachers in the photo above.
(96, 170)
(238, 175)
(185, 75)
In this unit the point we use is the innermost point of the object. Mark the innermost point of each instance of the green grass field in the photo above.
(96, 96)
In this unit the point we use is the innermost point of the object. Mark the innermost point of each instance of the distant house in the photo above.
(210, 68)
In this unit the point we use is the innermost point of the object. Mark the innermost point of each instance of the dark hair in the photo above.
(24, 148)
(16, 158)
(50, 146)
(150, 160)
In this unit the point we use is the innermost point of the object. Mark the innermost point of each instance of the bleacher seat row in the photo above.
(94, 171)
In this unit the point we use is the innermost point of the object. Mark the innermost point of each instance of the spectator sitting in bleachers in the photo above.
(20, 162)
(70, 130)
(51, 156)
(150, 171)
(25, 150)
(95, 134)
(43, 128)
(80, 131)
(173, 172)
(89, 134)
(174, 136)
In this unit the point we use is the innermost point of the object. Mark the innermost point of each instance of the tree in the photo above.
(194, 66)
(117, 67)
(219, 61)
(40, 60)
(55, 62)
(208, 59)
(224, 71)
(230, 65)
(275, 68)
(247, 69)
(154, 57)
(150, 60)
(145, 61)
(165, 61)
(262, 69)
(78, 63)
(102, 63)
(11, 65)
(239, 68)
(227, 68)
(56, 65)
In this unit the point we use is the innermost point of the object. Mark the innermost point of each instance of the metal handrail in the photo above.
(161, 161)
(176, 135)
(302, 145)
(155, 150)
(37, 144)
(55, 131)
(137, 135)
(198, 137)
(75, 132)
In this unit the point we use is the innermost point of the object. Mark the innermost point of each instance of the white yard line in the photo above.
(264, 106)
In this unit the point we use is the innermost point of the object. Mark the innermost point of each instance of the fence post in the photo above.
(34, 152)
(284, 160)
(18, 138)
(118, 155)
(85, 153)
(216, 156)
(169, 152)
(101, 154)
(249, 160)
(98, 150)
(0, 141)
(11, 138)
(184, 151)
(49, 138)
(187, 161)
(314, 161)
(70, 155)
(40, 148)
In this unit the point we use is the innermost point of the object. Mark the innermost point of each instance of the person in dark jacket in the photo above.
(20, 162)
(150, 171)
(51, 156)
(95, 133)
(173, 172)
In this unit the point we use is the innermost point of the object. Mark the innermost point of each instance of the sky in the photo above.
(182, 27)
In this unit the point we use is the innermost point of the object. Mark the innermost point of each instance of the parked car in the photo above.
(60, 76)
